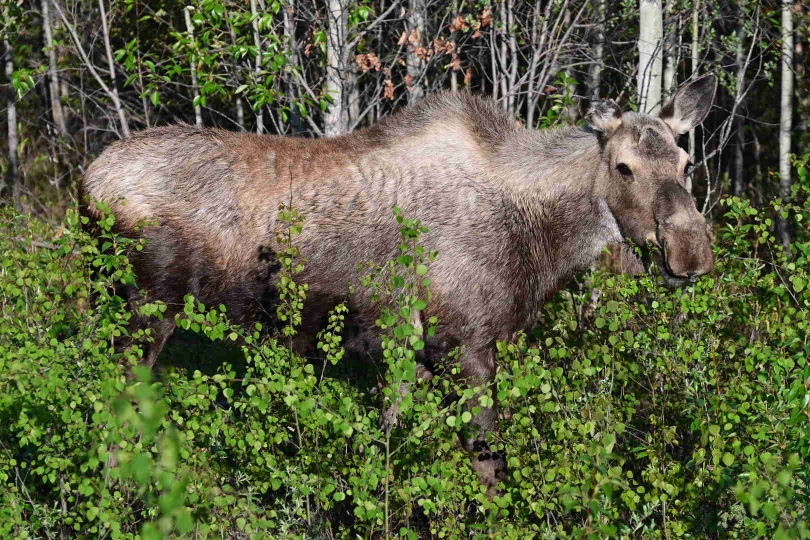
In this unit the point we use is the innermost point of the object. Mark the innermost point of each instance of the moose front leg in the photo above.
(478, 371)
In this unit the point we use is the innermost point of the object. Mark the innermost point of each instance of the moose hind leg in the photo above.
(160, 330)
(390, 415)
(478, 370)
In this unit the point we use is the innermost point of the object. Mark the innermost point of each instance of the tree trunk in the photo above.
(193, 61)
(785, 117)
(740, 61)
(240, 109)
(414, 63)
(119, 107)
(650, 43)
(571, 113)
(294, 90)
(695, 59)
(336, 119)
(539, 36)
(758, 176)
(57, 112)
(670, 52)
(352, 91)
(514, 59)
(13, 176)
(254, 13)
(595, 75)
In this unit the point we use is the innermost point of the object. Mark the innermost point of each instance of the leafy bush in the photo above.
(631, 412)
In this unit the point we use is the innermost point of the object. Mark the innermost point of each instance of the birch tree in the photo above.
(13, 175)
(122, 117)
(414, 60)
(595, 74)
(254, 13)
(193, 65)
(650, 45)
(110, 90)
(695, 52)
(785, 116)
(671, 52)
(741, 65)
(336, 119)
(57, 112)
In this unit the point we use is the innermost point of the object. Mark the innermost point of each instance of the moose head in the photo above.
(648, 185)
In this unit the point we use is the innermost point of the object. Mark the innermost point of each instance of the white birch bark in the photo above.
(650, 45)
(254, 13)
(695, 60)
(57, 112)
(670, 52)
(414, 64)
(119, 107)
(512, 91)
(13, 180)
(785, 116)
(740, 61)
(193, 61)
(336, 119)
(240, 109)
(539, 37)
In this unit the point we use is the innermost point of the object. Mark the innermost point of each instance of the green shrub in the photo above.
(631, 412)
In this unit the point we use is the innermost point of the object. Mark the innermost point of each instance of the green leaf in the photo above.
(609, 441)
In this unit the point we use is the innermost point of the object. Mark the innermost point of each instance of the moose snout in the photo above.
(682, 234)
(687, 252)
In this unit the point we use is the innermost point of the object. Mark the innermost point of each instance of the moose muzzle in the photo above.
(682, 234)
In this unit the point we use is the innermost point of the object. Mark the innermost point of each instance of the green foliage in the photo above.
(560, 101)
(634, 412)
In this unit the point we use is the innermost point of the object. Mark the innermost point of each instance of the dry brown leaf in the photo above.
(459, 24)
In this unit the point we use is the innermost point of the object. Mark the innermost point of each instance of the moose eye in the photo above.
(689, 168)
(624, 170)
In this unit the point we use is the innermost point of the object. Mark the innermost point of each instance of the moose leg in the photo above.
(161, 332)
(160, 329)
(390, 415)
(478, 370)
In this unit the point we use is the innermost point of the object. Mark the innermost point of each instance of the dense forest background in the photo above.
(81, 74)
(631, 411)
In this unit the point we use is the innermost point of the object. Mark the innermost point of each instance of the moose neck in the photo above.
(555, 180)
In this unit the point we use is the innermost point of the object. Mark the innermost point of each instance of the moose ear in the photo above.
(604, 116)
(690, 105)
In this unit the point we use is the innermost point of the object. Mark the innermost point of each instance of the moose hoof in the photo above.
(489, 466)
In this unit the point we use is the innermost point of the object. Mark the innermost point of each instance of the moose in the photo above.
(513, 213)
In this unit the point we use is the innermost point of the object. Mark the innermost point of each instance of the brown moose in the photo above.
(513, 213)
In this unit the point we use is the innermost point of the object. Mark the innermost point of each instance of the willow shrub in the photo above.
(631, 412)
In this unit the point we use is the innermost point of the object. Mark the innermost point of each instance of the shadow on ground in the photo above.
(187, 351)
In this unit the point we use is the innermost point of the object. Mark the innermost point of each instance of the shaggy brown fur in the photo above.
(512, 212)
